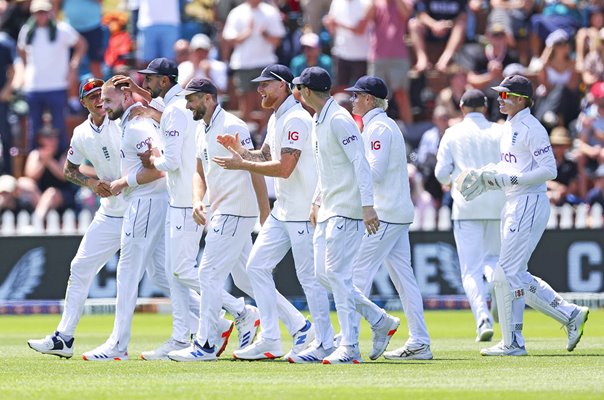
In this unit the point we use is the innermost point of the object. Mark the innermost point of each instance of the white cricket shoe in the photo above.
(195, 352)
(410, 353)
(382, 333)
(302, 339)
(484, 331)
(161, 353)
(501, 349)
(105, 352)
(53, 344)
(575, 327)
(314, 354)
(225, 327)
(344, 355)
(262, 349)
(247, 326)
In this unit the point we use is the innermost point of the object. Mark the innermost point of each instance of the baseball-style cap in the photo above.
(557, 36)
(310, 39)
(161, 66)
(560, 137)
(371, 85)
(200, 41)
(199, 85)
(314, 78)
(517, 84)
(89, 86)
(40, 5)
(473, 98)
(8, 184)
(275, 72)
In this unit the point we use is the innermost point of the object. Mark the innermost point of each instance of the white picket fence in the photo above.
(428, 219)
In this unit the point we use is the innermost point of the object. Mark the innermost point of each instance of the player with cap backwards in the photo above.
(526, 163)
(286, 155)
(385, 151)
(341, 210)
(235, 198)
(98, 140)
(473, 143)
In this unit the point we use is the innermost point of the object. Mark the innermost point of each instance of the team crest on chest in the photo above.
(514, 136)
(106, 153)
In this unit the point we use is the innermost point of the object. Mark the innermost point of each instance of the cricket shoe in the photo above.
(382, 333)
(262, 349)
(344, 355)
(484, 331)
(302, 339)
(161, 353)
(53, 344)
(105, 352)
(575, 327)
(194, 352)
(422, 352)
(313, 354)
(247, 325)
(225, 327)
(500, 349)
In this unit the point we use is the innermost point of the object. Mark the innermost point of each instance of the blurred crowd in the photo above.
(428, 52)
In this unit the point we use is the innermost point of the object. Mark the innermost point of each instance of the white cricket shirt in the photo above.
(229, 191)
(344, 176)
(177, 137)
(290, 127)
(387, 157)
(472, 143)
(136, 134)
(101, 146)
(347, 44)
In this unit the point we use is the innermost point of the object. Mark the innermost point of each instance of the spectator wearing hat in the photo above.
(590, 126)
(45, 83)
(200, 65)
(569, 186)
(16, 195)
(311, 56)
(557, 96)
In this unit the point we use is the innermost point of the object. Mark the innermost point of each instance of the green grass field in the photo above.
(457, 371)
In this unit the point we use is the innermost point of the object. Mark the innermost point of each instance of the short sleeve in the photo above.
(295, 134)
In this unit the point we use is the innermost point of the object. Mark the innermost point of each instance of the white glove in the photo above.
(470, 184)
(494, 180)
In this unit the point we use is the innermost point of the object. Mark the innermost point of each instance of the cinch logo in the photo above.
(246, 141)
(292, 135)
(544, 150)
(171, 133)
(349, 139)
(509, 157)
(144, 143)
(376, 145)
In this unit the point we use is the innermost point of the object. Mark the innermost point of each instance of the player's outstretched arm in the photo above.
(72, 173)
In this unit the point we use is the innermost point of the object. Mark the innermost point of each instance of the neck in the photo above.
(278, 102)
(97, 119)
(166, 90)
(209, 112)
(317, 103)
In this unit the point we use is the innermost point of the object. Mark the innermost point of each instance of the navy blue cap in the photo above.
(314, 78)
(161, 66)
(516, 84)
(371, 85)
(89, 86)
(275, 72)
(473, 98)
(199, 85)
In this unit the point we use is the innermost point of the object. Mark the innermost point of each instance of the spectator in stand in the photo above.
(426, 154)
(254, 30)
(200, 65)
(41, 40)
(44, 168)
(14, 196)
(311, 55)
(438, 20)
(514, 15)
(388, 53)
(119, 47)
(158, 27)
(567, 187)
(589, 37)
(592, 68)
(198, 17)
(14, 17)
(7, 72)
(486, 63)
(450, 96)
(313, 11)
(347, 24)
(182, 50)
(557, 96)
(591, 128)
(596, 194)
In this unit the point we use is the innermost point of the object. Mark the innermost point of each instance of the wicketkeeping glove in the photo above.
(494, 180)
(470, 184)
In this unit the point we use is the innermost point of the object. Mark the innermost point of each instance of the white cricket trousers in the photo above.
(478, 243)
(227, 247)
(391, 245)
(272, 244)
(100, 242)
(142, 245)
(523, 221)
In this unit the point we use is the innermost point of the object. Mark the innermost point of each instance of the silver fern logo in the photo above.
(25, 275)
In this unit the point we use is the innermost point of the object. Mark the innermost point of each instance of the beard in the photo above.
(199, 113)
(116, 113)
(268, 102)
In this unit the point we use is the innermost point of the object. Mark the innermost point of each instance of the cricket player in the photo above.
(526, 164)
(385, 151)
(142, 237)
(473, 143)
(341, 210)
(286, 155)
(98, 140)
(236, 197)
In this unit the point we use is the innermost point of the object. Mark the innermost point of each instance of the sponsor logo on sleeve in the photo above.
(349, 139)
(144, 143)
(172, 133)
(542, 151)
(376, 145)
(246, 141)
(292, 136)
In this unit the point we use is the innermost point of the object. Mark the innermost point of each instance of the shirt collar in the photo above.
(321, 117)
(371, 114)
(474, 115)
(97, 129)
(289, 102)
(520, 115)
(174, 90)
(127, 112)
(217, 111)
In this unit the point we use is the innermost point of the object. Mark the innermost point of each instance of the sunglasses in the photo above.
(90, 85)
(505, 95)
